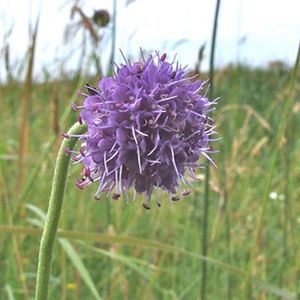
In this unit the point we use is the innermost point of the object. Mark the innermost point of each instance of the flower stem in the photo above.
(54, 210)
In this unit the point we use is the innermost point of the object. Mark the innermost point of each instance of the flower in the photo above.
(147, 127)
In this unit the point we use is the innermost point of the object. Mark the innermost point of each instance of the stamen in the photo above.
(215, 101)
(206, 91)
(74, 106)
(196, 132)
(67, 136)
(173, 161)
(105, 163)
(91, 88)
(142, 55)
(84, 94)
(138, 150)
(182, 80)
(200, 87)
(101, 184)
(210, 159)
(120, 179)
(141, 133)
(165, 121)
(215, 140)
(124, 57)
(153, 162)
(113, 146)
(109, 190)
(112, 157)
(134, 195)
(116, 180)
(158, 116)
(197, 114)
(167, 98)
(112, 171)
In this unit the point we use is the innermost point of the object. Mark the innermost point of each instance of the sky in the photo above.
(249, 31)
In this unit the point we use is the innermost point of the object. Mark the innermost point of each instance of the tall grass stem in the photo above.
(204, 250)
(25, 103)
(113, 34)
(279, 142)
(54, 211)
(15, 240)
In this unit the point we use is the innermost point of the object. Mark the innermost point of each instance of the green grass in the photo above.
(156, 254)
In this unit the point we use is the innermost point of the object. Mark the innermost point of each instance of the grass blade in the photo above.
(146, 243)
(9, 292)
(80, 267)
(69, 250)
(132, 263)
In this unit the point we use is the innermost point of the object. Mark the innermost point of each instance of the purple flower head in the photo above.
(147, 127)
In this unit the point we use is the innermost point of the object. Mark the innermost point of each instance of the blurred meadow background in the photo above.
(236, 236)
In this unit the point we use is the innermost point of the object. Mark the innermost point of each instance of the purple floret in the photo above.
(147, 127)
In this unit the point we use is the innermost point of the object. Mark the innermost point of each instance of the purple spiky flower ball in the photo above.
(147, 128)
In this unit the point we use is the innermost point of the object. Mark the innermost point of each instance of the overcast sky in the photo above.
(251, 31)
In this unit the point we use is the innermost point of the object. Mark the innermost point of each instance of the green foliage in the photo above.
(155, 254)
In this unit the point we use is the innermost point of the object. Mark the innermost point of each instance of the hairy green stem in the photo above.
(54, 210)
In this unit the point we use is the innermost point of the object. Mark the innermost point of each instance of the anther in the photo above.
(79, 184)
(74, 106)
(81, 150)
(87, 172)
(97, 197)
(116, 196)
(146, 206)
(186, 193)
(175, 198)
(67, 151)
(163, 57)
(65, 135)
(119, 104)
